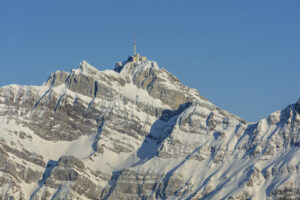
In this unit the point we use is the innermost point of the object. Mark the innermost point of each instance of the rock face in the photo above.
(137, 133)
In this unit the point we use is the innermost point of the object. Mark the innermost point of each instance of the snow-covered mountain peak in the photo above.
(297, 106)
(156, 82)
(136, 132)
(290, 114)
(87, 69)
(132, 69)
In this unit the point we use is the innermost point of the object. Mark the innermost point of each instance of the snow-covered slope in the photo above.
(137, 133)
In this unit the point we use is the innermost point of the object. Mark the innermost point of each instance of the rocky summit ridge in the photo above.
(136, 132)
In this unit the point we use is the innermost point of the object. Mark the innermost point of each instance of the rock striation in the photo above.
(136, 132)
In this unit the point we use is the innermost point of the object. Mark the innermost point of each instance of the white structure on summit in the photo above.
(136, 56)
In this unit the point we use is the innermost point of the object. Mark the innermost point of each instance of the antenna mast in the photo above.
(134, 47)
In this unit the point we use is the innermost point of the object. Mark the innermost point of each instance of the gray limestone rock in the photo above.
(103, 139)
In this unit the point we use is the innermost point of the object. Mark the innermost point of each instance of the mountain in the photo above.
(136, 132)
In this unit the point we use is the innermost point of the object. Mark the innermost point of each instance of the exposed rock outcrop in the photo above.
(138, 133)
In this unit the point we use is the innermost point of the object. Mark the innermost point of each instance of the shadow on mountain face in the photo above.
(161, 129)
(50, 166)
(107, 191)
(161, 193)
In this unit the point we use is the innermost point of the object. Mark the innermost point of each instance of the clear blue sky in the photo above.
(244, 56)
